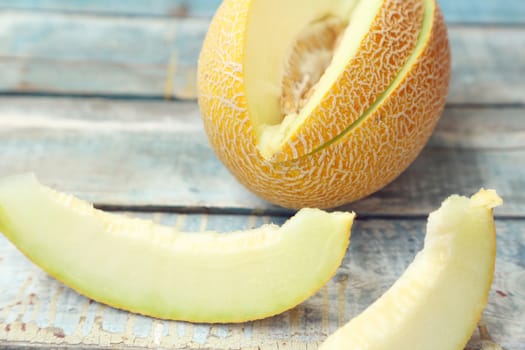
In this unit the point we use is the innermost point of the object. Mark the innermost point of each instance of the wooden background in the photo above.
(98, 99)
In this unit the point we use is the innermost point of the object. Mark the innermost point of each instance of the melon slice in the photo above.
(154, 270)
(437, 302)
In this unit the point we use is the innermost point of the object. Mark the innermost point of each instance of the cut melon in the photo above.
(154, 270)
(317, 103)
(437, 302)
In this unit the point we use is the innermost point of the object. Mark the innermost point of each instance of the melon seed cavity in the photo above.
(311, 55)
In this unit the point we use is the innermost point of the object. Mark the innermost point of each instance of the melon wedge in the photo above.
(154, 270)
(315, 103)
(437, 302)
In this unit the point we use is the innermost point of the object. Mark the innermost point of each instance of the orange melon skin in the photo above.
(357, 163)
(365, 77)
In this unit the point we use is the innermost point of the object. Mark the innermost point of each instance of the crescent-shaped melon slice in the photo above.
(437, 302)
(154, 270)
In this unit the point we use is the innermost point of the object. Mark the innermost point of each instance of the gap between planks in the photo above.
(275, 212)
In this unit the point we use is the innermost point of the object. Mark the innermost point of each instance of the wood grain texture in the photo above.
(487, 64)
(36, 310)
(175, 8)
(157, 57)
(136, 154)
(482, 11)
(78, 54)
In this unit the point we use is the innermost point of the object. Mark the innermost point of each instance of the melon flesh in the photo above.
(267, 63)
(154, 270)
(267, 50)
(437, 302)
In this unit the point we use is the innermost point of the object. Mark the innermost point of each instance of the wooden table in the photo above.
(98, 99)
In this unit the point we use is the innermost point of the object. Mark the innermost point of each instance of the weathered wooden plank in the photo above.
(481, 11)
(481, 128)
(486, 11)
(36, 310)
(130, 153)
(487, 64)
(176, 8)
(79, 54)
(84, 54)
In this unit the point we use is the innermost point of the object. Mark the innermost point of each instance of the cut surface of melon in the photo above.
(267, 52)
(437, 302)
(142, 267)
(293, 69)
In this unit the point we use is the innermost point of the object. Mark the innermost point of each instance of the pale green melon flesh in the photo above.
(154, 270)
(266, 51)
(437, 302)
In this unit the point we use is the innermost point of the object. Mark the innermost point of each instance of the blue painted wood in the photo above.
(38, 312)
(471, 11)
(131, 153)
(82, 54)
(201, 8)
(99, 55)
(484, 11)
